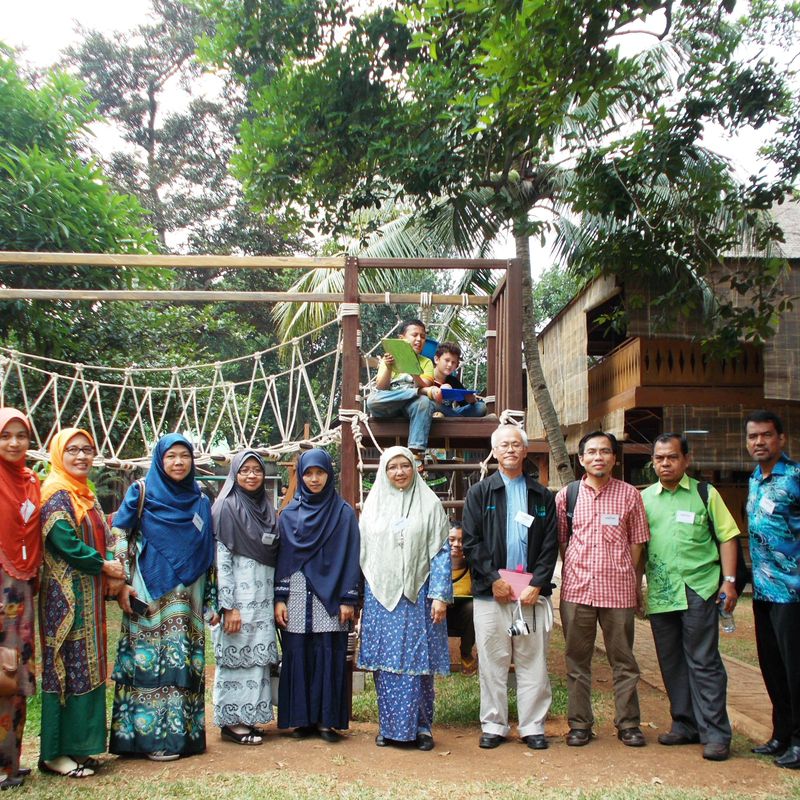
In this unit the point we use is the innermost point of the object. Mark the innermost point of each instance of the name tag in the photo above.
(268, 538)
(523, 519)
(27, 509)
(767, 505)
(399, 525)
(609, 519)
(198, 522)
(685, 516)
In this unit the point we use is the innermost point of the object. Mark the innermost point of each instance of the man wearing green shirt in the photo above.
(683, 590)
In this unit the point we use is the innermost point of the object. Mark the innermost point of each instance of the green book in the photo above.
(405, 359)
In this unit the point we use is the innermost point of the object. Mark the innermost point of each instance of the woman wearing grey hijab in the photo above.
(244, 642)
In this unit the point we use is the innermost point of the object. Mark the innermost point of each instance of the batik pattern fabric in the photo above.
(773, 516)
(71, 602)
(405, 640)
(18, 634)
(159, 697)
(242, 691)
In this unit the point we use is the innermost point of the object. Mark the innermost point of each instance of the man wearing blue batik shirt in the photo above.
(773, 514)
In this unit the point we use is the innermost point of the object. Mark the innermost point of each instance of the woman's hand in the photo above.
(213, 619)
(123, 598)
(113, 569)
(232, 620)
(438, 610)
(281, 614)
(113, 586)
(346, 614)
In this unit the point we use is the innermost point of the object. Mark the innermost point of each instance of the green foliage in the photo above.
(523, 105)
(554, 289)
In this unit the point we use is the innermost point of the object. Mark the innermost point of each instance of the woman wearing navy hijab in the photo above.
(316, 590)
(168, 554)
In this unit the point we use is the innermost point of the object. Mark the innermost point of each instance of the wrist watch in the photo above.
(729, 578)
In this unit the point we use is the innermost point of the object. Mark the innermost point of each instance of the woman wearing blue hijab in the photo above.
(316, 590)
(168, 554)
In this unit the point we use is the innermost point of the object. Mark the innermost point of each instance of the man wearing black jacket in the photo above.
(510, 523)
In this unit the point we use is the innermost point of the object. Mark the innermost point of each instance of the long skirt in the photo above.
(17, 633)
(77, 728)
(405, 705)
(314, 688)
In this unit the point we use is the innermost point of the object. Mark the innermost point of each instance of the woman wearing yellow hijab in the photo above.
(72, 617)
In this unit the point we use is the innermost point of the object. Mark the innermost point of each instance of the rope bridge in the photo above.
(126, 409)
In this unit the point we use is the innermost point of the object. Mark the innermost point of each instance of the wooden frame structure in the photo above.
(504, 325)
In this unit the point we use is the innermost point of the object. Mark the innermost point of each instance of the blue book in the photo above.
(459, 395)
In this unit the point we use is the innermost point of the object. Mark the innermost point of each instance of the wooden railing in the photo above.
(504, 343)
(673, 363)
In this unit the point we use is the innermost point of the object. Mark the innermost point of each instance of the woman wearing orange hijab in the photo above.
(20, 558)
(72, 615)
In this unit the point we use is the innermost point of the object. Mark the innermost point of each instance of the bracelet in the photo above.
(729, 578)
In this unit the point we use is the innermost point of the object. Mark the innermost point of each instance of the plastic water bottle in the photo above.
(726, 621)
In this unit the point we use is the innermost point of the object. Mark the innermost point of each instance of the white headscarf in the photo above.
(401, 531)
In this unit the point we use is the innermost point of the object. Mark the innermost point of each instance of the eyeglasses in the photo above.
(87, 450)
(245, 471)
(504, 447)
(405, 467)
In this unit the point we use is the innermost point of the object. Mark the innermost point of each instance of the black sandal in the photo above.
(78, 772)
(89, 762)
(240, 738)
(12, 782)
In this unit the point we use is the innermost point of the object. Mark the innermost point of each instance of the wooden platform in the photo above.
(449, 433)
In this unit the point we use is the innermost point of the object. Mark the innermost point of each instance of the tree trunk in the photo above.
(541, 394)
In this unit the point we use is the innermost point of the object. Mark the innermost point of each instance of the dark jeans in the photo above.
(687, 645)
(459, 623)
(778, 643)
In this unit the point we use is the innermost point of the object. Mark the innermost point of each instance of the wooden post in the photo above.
(350, 375)
(513, 309)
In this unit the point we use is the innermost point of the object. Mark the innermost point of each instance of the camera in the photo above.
(519, 628)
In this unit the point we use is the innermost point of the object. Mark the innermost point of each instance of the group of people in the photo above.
(681, 534)
(173, 563)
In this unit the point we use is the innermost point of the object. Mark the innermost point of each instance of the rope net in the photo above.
(126, 409)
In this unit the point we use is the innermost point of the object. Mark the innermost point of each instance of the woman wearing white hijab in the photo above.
(405, 558)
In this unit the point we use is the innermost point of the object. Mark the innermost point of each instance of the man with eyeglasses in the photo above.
(510, 523)
(602, 551)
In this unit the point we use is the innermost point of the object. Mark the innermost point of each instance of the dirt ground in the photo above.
(605, 762)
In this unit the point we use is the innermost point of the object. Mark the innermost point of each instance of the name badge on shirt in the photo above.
(609, 519)
(27, 509)
(268, 538)
(767, 505)
(685, 516)
(198, 522)
(523, 519)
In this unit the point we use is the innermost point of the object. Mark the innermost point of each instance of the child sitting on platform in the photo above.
(446, 361)
(398, 394)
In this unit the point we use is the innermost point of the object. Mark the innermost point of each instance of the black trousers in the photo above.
(459, 623)
(687, 645)
(778, 643)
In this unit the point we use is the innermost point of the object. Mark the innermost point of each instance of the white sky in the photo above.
(44, 27)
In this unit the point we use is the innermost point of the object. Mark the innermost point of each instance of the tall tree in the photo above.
(180, 128)
(55, 197)
(430, 100)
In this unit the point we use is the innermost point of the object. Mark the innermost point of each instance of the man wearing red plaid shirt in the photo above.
(601, 583)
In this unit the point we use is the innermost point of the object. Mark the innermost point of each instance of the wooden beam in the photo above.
(38, 259)
(223, 296)
(10, 258)
(432, 263)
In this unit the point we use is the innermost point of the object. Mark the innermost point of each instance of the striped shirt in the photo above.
(597, 569)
